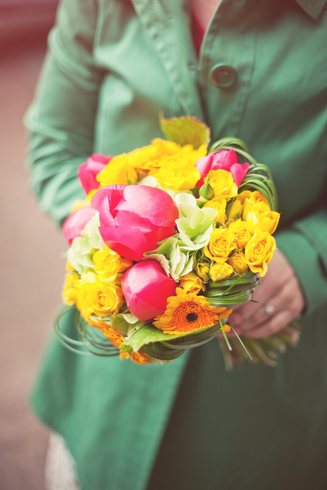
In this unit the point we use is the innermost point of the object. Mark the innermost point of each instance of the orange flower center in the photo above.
(190, 316)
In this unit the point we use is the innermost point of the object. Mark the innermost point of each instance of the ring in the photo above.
(269, 309)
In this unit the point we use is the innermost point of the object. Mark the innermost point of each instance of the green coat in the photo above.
(112, 66)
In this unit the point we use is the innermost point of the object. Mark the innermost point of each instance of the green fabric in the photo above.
(112, 67)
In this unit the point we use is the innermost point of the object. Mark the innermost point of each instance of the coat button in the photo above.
(222, 76)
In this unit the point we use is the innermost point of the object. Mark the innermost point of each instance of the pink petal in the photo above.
(151, 203)
(114, 193)
(204, 165)
(146, 288)
(223, 160)
(88, 171)
(238, 172)
(128, 218)
(74, 224)
(128, 242)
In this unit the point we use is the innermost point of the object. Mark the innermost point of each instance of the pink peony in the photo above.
(88, 171)
(134, 218)
(146, 288)
(223, 160)
(74, 224)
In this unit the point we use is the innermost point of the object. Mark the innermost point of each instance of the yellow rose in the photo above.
(261, 215)
(118, 171)
(191, 283)
(238, 263)
(219, 204)
(222, 183)
(243, 232)
(202, 270)
(99, 298)
(221, 244)
(218, 272)
(109, 264)
(70, 289)
(250, 199)
(259, 251)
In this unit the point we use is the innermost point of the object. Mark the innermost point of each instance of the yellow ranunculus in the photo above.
(149, 156)
(259, 251)
(243, 232)
(108, 265)
(177, 177)
(118, 171)
(165, 154)
(222, 183)
(70, 289)
(202, 270)
(99, 298)
(238, 262)
(218, 272)
(261, 216)
(221, 244)
(219, 204)
(191, 283)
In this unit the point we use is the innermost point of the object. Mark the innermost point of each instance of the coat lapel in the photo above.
(168, 25)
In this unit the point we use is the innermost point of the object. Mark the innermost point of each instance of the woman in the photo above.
(261, 76)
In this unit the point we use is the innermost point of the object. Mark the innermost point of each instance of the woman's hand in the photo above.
(279, 301)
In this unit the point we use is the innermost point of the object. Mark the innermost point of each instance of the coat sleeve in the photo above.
(61, 118)
(305, 247)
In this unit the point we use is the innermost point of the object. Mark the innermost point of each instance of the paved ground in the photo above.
(32, 272)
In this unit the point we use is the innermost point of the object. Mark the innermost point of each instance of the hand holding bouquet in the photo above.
(167, 241)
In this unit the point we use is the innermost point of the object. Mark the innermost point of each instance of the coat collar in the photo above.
(312, 7)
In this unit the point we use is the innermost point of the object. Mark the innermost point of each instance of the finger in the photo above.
(247, 310)
(273, 325)
(289, 297)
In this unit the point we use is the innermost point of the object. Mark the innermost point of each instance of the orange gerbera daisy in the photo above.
(187, 312)
(117, 339)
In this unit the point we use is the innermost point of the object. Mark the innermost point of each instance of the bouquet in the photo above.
(168, 239)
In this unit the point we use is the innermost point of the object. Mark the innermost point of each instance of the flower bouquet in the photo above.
(169, 238)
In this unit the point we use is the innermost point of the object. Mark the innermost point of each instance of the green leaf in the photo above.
(149, 334)
(185, 130)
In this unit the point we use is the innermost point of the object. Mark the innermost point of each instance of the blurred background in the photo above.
(32, 266)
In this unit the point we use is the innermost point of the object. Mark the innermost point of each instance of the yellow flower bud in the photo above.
(218, 272)
(238, 263)
(191, 283)
(234, 209)
(202, 270)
